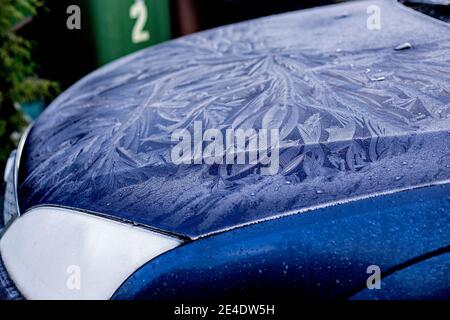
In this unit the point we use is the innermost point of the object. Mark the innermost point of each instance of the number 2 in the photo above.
(139, 11)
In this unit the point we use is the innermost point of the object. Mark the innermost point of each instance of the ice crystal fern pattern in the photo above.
(354, 119)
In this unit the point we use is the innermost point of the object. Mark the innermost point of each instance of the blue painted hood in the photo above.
(356, 117)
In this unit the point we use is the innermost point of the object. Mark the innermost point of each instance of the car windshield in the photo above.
(439, 9)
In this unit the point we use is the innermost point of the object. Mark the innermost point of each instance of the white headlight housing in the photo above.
(10, 208)
(55, 253)
(11, 204)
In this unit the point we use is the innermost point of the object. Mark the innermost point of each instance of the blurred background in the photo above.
(107, 28)
(40, 56)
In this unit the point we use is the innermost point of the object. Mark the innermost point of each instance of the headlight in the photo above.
(11, 202)
(10, 210)
(55, 253)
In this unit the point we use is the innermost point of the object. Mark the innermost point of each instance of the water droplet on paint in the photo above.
(380, 78)
(403, 46)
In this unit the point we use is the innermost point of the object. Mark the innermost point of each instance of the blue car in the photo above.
(300, 155)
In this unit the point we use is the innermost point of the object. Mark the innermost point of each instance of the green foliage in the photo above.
(18, 81)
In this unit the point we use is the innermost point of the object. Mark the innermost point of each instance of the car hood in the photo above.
(356, 117)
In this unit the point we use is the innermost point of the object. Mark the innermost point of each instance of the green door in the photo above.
(120, 27)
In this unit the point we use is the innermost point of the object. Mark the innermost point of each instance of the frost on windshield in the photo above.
(356, 118)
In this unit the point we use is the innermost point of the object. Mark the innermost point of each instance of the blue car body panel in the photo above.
(323, 254)
(425, 280)
(356, 117)
(8, 290)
